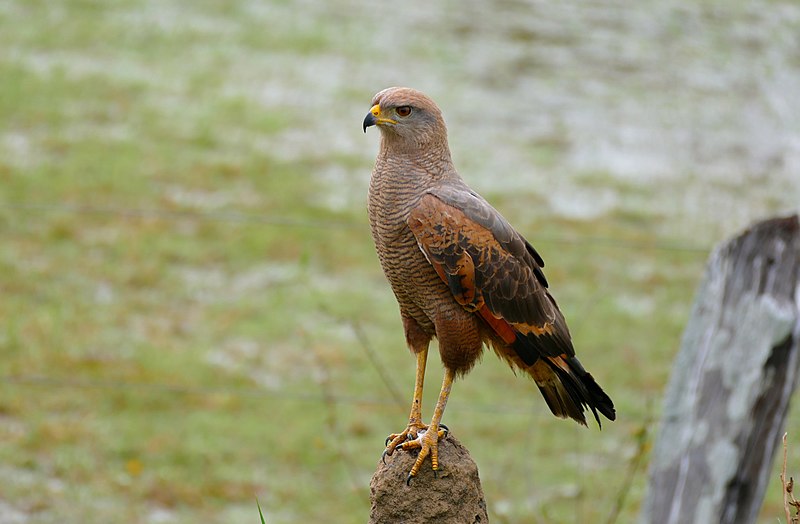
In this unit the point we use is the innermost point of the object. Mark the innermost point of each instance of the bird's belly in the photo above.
(420, 292)
(424, 297)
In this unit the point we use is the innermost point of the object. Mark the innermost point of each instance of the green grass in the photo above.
(192, 313)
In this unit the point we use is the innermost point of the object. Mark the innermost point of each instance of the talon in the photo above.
(408, 479)
(386, 442)
(383, 456)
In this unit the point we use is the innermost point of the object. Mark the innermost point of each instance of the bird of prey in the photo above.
(461, 274)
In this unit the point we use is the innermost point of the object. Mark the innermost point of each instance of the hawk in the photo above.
(462, 274)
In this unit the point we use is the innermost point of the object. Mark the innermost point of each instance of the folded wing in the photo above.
(495, 273)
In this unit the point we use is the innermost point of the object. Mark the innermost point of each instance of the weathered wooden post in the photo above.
(731, 383)
(453, 496)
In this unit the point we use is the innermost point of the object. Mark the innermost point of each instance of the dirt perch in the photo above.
(455, 496)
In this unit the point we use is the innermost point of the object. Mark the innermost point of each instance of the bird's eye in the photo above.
(403, 111)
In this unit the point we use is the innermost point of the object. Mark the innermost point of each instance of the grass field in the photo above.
(192, 314)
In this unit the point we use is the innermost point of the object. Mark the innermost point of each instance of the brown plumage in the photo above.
(461, 273)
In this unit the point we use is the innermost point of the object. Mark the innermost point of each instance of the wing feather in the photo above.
(495, 273)
(488, 263)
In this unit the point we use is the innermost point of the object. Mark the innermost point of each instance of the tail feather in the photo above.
(565, 385)
(568, 389)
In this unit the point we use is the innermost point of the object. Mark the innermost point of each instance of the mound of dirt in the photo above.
(454, 495)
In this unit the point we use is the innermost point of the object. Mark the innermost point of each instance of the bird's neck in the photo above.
(421, 164)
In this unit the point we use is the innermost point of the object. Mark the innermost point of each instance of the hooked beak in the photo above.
(369, 121)
(374, 118)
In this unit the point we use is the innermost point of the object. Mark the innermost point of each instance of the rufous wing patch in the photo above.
(498, 325)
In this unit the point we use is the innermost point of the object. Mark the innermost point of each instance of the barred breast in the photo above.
(416, 285)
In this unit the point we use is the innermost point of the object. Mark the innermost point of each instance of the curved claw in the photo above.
(383, 456)
(386, 442)
(408, 479)
(446, 430)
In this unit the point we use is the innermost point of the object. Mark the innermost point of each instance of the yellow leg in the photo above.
(415, 419)
(419, 382)
(428, 442)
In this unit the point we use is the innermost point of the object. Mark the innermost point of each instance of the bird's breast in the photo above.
(414, 282)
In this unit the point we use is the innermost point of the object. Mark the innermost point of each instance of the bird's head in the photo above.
(408, 116)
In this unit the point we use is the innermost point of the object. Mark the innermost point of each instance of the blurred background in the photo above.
(192, 313)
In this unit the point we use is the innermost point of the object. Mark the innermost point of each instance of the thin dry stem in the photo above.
(788, 487)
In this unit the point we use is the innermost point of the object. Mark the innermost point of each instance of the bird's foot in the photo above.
(417, 436)
(427, 442)
(409, 434)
